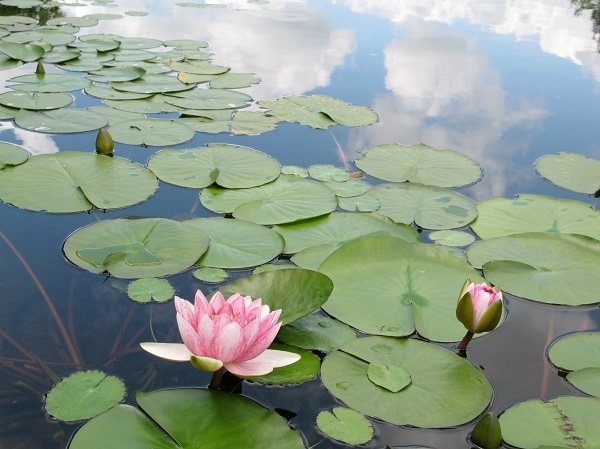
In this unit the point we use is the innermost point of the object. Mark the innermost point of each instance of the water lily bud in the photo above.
(487, 433)
(39, 70)
(479, 307)
(104, 143)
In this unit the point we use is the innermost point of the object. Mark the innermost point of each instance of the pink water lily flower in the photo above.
(233, 333)
(479, 307)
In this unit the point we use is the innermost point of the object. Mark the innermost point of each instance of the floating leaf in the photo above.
(234, 80)
(119, 74)
(348, 188)
(152, 104)
(230, 166)
(428, 206)
(284, 200)
(114, 115)
(317, 332)
(345, 425)
(198, 67)
(208, 99)
(384, 285)
(187, 418)
(151, 132)
(391, 377)
(445, 390)
(252, 123)
(297, 292)
(319, 111)
(452, 238)
(84, 395)
(361, 203)
(152, 84)
(72, 181)
(36, 101)
(11, 154)
(419, 163)
(237, 243)
(571, 171)
(303, 370)
(49, 82)
(210, 275)
(108, 93)
(549, 268)
(22, 52)
(535, 213)
(294, 170)
(326, 172)
(60, 121)
(148, 289)
(586, 380)
(136, 248)
(555, 423)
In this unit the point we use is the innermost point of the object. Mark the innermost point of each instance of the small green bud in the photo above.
(39, 70)
(205, 363)
(487, 433)
(104, 143)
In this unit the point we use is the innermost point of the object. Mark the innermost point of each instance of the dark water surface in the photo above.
(503, 82)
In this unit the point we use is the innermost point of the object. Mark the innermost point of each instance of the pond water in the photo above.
(502, 82)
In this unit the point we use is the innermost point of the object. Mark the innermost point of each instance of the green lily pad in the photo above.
(96, 45)
(136, 248)
(384, 285)
(345, 425)
(149, 104)
(555, 423)
(108, 93)
(7, 63)
(148, 289)
(118, 74)
(151, 84)
(252, 123)
(419, 163)
(319, 111)
(60, 121)
(114, 115)
(452, 238)
(58, 56)
(75, 21)
(198, 67)
(361, 203)
(11, 154)
(294, 170)
(391, 377)
(579, 354)
(208, 99)
(326, 172)
(22, 3)
(445, 390)
(297, 292)
(237, 243)
(348, 188)
(49, 82)
(285, 200)
(316, 332)
(429, 207)
(187, 418)
(72, 181)
(22, 52)
(133, 55)
(151, 132)
(549, 268)
(84, 395)
(535, 213)
(234, 80)
(219, 121)
(103, 16)
(138, 43)
(571, 171)
(210, 275)
(303, 370)
(230, 166)
(36, 101)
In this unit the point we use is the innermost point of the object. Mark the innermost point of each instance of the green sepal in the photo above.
(487, 433)
(490, 318)
(206, 363)
(464, 311)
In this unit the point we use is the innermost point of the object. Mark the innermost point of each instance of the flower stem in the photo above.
(465, 341)
(215, 382)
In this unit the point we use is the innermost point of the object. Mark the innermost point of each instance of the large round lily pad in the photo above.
(549, 268)
(284, 200)
(60, 121)
(237, 243)
(230, 166)
(11, 154)
(151, 84)
(136, 248)
(72, 181)
(384, 285)
(571, 171)
(151, 132)
(443, 390)
(36, 101)
(208, 99)
(49, 82)
(559, 423)
(316, 331)
(419, 163)
(535, 213)
(22, 52)
(428, 206)
(186, 419)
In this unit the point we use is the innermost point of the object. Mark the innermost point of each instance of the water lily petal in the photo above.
(190, 336)
(249, 368)
(262, 341)
(177, 352)
(186, 310)
(227, 342)
(278, 358)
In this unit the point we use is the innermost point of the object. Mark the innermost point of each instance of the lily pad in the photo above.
(114, 115)
(555, 423)
(452, 238)
(60, 121)
(234, 80)
(84, 395)
(72, 181)
(36, 101)
(149, 104)
(384, 285)
(317, 332)
(108, 93)
(285, 200)
(198, 67)
(391, 377)
(148, 289)
(297, 292)
(319, 111)
(535, 213)
(445, 390)
(187, 418)
(230, 166)
(303, 370)
(345, 425)
(348, 188)
(252, 123)
(49, 82)
(119, 74)
(151, 132)
(208, 99)
(22, 52)
(152, 84)
(361, 203)
(237, 243)
(549, 268)
(419, 163)
(429, 207)
(327, 172)
(571, 171)
(11, 154)
(136, 248)
(210, 275)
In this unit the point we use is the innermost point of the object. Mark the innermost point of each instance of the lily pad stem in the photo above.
(215, 382)
(465, 341)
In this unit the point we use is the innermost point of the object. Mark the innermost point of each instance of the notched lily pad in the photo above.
(60, 121)
(150, 132)
(391, 377)
(571, 171)
(11, 154)
(148, 289)
(345, 425)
